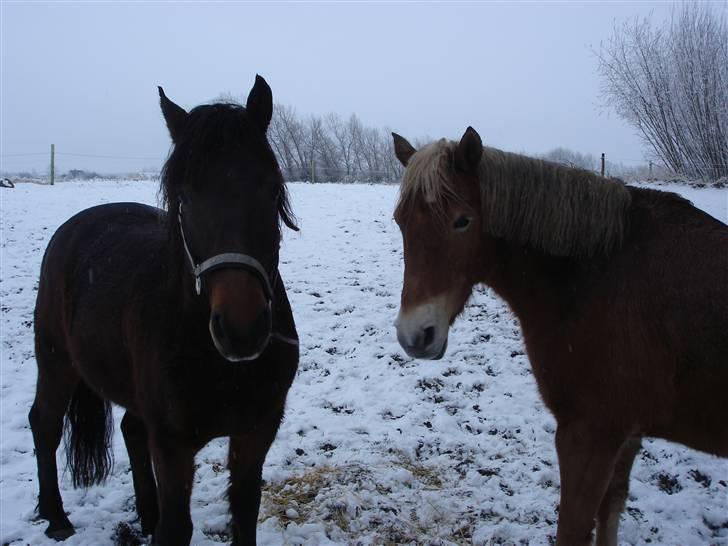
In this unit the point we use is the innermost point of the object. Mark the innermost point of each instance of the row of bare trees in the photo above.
(671, 83)
(331, 148)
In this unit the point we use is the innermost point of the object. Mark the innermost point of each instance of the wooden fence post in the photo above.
(53, 163)
(602, 163)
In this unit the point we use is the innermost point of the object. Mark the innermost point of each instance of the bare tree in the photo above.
(341, 137)
(290, 140)
(323, 151)
(671, 83)
(278, 138)
(568, 157)
(356, 137)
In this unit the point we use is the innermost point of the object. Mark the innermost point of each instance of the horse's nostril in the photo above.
(429, 336)
(218, 329)
(238, 341)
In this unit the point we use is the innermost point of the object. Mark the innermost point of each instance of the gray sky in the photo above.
(83, 75)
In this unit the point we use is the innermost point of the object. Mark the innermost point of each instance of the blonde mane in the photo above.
(559, 210)
(427, 174)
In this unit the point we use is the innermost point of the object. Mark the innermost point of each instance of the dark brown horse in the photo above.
(179, 316)
(622, 295)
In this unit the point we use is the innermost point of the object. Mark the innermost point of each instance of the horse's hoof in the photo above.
(60, 534)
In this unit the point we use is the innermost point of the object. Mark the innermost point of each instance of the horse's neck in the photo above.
(532, 283)
(180, 283)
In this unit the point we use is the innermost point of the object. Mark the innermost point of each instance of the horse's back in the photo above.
(90, 274)
(681, 256)
(101, 240)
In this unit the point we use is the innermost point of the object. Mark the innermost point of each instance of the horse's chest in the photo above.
(224, 404)
(560, 370)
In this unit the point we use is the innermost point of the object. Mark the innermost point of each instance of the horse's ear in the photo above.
(402, 149)
(469, 151)
(174, 115)
(260, 103)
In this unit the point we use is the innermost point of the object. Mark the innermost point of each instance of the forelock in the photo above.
(428, 174)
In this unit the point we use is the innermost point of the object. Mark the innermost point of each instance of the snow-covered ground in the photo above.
(376, 448)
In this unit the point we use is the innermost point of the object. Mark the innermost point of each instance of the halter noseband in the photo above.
(232, 259)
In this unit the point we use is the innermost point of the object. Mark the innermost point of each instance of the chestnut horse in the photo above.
(621, 292)
(178, 315)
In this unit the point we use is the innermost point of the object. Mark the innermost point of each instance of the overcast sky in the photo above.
(83, 75)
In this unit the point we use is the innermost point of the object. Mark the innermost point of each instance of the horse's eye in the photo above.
(462, 223)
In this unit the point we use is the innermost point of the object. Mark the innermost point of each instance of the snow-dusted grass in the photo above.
(375, 448)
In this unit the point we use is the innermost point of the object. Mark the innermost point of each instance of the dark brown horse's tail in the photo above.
(89, 429)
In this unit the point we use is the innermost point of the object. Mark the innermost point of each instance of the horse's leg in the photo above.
(145, 488)
(613, 502)
(586, 461)
(57, 381)
(245, 461)
(174, 468)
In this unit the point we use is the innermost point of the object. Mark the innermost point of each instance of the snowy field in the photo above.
(375, 448)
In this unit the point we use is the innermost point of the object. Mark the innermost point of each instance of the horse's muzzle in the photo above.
(423, 345)
(240, 314)
(422, 332)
